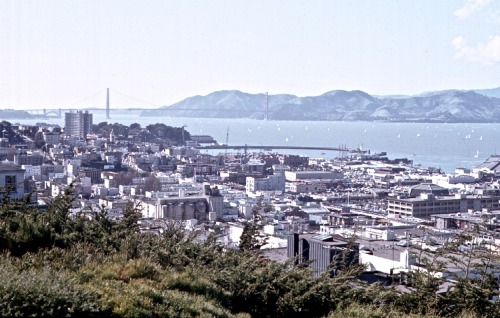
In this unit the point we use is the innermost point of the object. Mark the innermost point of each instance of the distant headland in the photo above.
(338, 105)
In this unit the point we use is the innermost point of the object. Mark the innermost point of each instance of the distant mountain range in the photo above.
(441, 106)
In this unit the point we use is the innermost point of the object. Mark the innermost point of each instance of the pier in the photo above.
(269, 148)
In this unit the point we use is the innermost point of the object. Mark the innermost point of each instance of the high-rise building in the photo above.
(78, 124)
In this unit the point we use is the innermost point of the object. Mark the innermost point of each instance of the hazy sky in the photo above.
(66, 53)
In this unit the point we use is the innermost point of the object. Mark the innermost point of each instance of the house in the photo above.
(11, 181)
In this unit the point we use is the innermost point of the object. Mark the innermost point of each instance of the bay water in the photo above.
(440, 145)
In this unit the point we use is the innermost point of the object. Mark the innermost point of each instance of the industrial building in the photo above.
(207, 206)
(321, 250)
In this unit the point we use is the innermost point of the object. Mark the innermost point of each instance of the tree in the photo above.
(129, 223)
(123, 235)
(152, 184)
(477, 279)
(470, 286)
(135, 126)
(251, 239)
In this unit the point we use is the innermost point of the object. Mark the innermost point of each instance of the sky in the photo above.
(64, 54)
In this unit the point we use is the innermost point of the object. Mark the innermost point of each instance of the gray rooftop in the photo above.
(492, 163)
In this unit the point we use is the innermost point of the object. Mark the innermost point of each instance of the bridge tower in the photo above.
(267, 107)
(107, 104)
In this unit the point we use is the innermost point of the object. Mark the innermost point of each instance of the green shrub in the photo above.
(44, 292)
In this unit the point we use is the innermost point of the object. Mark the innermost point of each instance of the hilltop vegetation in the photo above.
(87, 265)
(159, 132)
(11, 114)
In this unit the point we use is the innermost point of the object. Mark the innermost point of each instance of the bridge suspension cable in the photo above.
(87, 98)
(136, 99)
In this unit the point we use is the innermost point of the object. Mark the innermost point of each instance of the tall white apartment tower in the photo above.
(77, 124)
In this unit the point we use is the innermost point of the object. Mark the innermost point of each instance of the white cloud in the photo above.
(470, 7)
(486, 53)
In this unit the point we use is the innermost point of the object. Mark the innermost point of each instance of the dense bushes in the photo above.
(56, 265)
(45, 292)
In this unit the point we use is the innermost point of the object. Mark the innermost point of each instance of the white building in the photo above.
(30, 171)
(270, 183)
(451, 181)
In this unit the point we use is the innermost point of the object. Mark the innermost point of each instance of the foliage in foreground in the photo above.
(56, 265)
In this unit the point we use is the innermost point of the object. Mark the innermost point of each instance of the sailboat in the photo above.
(477, 154)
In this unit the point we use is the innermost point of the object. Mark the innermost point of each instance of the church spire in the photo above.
(112, 136)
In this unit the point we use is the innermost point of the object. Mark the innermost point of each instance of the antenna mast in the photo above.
(227, 139)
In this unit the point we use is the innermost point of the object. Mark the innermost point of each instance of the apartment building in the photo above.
(77, 124)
